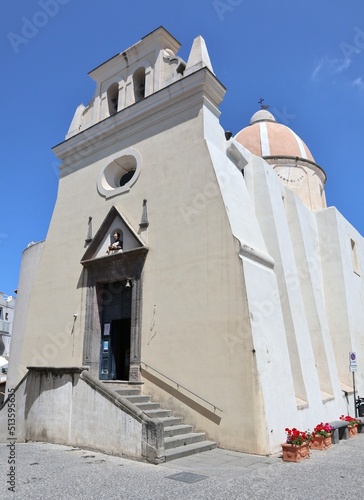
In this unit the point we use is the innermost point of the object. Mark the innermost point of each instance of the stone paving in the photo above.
(48, 471)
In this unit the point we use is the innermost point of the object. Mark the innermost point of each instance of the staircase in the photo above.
(179, 438)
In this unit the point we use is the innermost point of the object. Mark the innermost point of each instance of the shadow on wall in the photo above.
(172, 391)
(48, 380)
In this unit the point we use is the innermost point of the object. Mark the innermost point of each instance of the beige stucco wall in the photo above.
(18, 358)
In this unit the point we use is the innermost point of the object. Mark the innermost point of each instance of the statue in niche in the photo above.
(116, 245)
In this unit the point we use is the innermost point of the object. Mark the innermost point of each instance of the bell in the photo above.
(128, 284)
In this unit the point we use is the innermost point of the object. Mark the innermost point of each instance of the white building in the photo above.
(236, 298)
(7, 306)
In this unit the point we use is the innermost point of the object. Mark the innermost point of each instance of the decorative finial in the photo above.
(263, 106)
(144, 223)
(89, 231)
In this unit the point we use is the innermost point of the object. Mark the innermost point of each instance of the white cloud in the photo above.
(358, 82)
(316, 72)
(327, 67)
(341, 64)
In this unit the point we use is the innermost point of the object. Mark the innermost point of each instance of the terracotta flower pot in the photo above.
(294, 452)
(320, 442)
(353, 430)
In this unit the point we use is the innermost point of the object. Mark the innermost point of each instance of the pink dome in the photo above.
(265, 137)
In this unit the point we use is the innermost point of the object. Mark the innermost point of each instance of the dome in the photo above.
(262, 115)
(265, 137)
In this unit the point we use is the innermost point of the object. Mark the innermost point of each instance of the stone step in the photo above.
(174, 430)
(183, 440)
(148, 406)
(171, 421)
(136, 399)
(160, 413)
(179, 438)
(127, 392)
(189, 449)
(123, 390)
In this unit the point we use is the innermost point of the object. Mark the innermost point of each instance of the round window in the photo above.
(120, 174)
(126, 177)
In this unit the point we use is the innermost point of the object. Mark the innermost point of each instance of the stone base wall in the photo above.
(68, 406)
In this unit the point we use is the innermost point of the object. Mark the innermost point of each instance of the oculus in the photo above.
(120, 174)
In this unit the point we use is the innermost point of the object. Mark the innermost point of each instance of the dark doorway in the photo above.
(120, 348)
(115, 310)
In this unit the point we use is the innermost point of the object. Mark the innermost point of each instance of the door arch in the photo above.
(112, 343)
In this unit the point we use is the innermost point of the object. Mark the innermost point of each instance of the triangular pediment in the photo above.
(113, 223)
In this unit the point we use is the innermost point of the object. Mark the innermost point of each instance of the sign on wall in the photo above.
(353, 364)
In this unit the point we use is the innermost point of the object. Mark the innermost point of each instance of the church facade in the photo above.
(204, 269)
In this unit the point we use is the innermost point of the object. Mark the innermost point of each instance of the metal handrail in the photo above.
(182, 386)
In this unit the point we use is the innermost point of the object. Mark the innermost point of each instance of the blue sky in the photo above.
(306, 59)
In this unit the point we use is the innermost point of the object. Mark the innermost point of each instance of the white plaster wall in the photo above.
(305, 238)
(292, 238)
(269, 346)
(282, 307)
(344, 293)
(29, 266)
(272, 359)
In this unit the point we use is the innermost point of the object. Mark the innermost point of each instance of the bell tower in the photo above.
(130, 77)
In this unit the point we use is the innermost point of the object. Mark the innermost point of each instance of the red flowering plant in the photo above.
(350, 420)
(322, 430)
(294, 436)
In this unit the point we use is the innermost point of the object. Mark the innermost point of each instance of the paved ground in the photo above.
(47, 471)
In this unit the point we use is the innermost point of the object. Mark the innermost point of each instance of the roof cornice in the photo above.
(191, 91)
